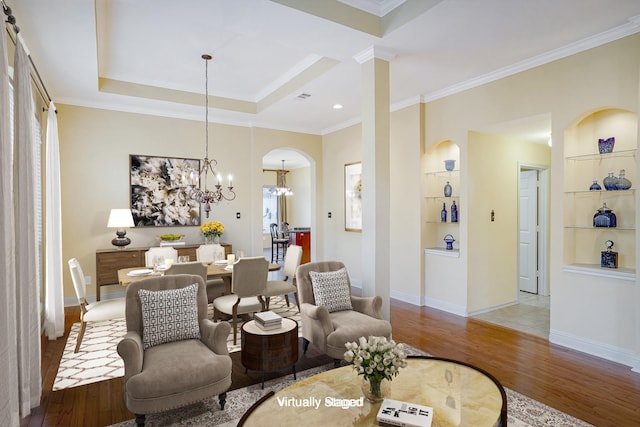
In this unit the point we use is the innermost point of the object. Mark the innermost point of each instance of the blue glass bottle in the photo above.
(443, 213)
(447, 189)
(595, 186)
(610, 182)
(454, 212)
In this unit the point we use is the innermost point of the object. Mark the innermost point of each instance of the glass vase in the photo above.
(610, 182)
(447, 189)
(375, 390)
(212, 240)
(623, 183)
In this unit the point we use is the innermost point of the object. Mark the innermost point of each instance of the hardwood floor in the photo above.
(592, 389)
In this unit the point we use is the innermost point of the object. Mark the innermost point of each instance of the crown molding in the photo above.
(374, 52)
(631, 27)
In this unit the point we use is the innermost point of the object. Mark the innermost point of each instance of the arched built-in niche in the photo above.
(442, 190)
(584, 163)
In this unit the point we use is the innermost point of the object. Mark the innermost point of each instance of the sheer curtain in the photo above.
(27, 301)
(9, 414)
(54, 293)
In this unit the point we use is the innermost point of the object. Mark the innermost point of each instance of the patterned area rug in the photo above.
(98, 359)
(521, 410)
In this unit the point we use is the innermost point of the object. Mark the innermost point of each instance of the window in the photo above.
(269, 207)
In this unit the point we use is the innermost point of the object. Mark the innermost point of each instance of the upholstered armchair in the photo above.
(330, 315)
(173, 355)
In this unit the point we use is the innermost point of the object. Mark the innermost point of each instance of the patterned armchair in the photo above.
(173, 355)
(330, 315)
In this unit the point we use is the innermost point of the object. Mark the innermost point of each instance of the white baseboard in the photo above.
(615, 354)
(445, 306)
(410, 299)
(495, 307)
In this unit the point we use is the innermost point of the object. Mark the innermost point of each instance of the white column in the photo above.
(375, 174)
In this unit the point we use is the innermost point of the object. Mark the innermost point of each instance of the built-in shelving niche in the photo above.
(584, 163)
(436, 177)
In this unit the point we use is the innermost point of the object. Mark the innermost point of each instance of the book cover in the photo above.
(268, 327)
(397, 413)
(266, 317)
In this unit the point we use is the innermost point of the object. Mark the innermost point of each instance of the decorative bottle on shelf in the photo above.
(454, 212)
(443, 213)
(604, 217)
(623, 183)
(595, 186)
(447, 189)
(610, 182)
(448, 239)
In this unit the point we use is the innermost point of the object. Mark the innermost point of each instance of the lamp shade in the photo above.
(120, 218)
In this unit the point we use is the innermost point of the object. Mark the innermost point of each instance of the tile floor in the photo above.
(530, 315)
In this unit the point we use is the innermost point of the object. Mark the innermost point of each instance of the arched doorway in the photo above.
(285, 168)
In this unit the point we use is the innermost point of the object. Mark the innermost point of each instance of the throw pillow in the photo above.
(169, 315)
(331, 289)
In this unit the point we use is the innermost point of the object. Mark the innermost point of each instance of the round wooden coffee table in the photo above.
(270, 350)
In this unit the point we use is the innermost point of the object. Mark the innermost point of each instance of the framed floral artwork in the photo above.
(353, 196)
(156, 196)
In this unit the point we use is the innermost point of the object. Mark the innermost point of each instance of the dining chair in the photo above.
(194, 267)
(278, 244)
(167, 252)
(209, 254)
(284, 287)
(95, 312)
(248, 283)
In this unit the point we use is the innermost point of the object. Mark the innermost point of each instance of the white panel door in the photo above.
(528, 237)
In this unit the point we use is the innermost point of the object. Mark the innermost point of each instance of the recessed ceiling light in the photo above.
(337, 106)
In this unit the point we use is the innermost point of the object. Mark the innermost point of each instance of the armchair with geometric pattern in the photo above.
(330, 315)
(173, 354)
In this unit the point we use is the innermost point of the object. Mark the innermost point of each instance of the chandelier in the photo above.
(281, 183)
(194, 191)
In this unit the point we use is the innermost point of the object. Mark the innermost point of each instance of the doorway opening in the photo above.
(533, 230)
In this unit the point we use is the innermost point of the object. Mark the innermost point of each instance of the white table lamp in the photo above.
(120, 219)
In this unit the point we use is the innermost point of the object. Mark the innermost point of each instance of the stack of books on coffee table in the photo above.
(398, 413)
(268, 320)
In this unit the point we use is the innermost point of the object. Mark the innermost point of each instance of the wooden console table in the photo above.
(109, 261)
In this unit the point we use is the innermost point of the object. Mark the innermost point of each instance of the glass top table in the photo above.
(460, 395)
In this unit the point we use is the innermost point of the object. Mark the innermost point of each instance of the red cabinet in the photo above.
(302, 237)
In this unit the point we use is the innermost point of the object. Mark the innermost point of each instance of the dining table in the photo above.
(214, 270)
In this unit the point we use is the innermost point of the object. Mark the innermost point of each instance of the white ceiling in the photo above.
(145, 55)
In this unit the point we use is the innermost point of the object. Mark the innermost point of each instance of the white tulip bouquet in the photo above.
(376, 358)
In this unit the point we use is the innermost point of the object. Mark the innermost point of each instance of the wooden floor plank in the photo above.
(600, 392)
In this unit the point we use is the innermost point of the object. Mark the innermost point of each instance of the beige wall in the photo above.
(406, 142)
(299, 205)
(493, 246)
(94, 153)
(567, 90)
(340, 148)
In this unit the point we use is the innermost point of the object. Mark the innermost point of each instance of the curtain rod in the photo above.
(11, 20)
